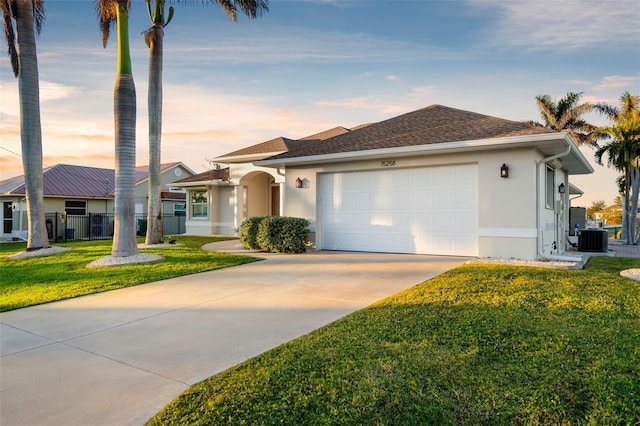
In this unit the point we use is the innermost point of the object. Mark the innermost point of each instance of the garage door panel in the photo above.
(431, 210)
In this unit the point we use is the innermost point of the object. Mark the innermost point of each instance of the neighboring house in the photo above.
(87, 192)
(434, 181)
(611, 215)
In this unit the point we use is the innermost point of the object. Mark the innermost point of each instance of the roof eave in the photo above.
(214, 182)
(446, 147)
(247, 158)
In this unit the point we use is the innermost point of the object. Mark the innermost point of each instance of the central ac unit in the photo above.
(99, 224)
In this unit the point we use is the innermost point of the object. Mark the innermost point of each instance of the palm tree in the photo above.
(124, 237)
(623, 152)
(154, 38)
(21, 44)
(566, 114)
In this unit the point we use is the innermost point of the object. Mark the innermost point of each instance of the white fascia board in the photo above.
(247, 158)
(201, 183)
(191, 184)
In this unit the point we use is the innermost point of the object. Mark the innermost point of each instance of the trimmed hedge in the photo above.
(275, 234)
(249, 232)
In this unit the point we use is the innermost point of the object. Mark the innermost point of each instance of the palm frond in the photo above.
(38, 15)
(10, 36)
(251, 8)
(547, 110)
(605, 109)
(107, 14)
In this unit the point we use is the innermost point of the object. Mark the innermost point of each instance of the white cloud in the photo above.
(566, 24)
(616, 82)
(303, 45)
(51, 91)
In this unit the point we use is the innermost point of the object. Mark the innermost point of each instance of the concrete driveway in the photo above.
(119, 357)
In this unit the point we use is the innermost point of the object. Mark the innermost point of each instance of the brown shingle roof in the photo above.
(279, 144)
(430, 125)
(172, 195)
(327, 134)
(282, 144)
(209, 175)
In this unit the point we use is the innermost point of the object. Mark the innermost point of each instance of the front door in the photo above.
(275, 200)
(8, 217)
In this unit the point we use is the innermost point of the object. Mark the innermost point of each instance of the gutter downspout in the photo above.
(540, 253)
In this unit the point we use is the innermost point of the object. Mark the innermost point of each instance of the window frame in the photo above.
(75, 210)
(180, 212)
(204, 205)
(550, 185)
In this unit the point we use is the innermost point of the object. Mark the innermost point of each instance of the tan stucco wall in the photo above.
(225, 209)
(507, 207)
(259, 186)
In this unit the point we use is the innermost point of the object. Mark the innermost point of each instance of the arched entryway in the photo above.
(259, 194)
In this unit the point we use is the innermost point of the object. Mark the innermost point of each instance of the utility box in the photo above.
(593, 240)
(577, 216)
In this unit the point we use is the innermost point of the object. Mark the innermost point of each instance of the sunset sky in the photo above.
(307, 66)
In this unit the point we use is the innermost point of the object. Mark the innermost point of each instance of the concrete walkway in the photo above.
(117, 358)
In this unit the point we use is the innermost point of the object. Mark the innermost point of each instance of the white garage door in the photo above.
(429, 210)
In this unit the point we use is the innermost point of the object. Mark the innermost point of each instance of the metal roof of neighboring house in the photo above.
(70, 181)
(65, 180)
(431, 125)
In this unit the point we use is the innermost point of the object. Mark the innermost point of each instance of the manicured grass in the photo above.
(36, 280)
(481, 344)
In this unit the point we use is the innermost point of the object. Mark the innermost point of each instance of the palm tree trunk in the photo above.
(124, 237)
(154, 207)
(30, 129)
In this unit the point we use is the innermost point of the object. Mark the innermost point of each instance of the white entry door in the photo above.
(427, 210)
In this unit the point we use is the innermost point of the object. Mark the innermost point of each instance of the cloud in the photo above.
(303, 45)
(392, 78)
(564, 25)
(50, 91)
(616, 82)
(412, 98)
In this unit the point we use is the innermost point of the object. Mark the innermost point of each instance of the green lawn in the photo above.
(31, 281)
(481, 344)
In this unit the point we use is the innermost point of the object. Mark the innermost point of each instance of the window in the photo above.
(75, 207)
(550, 187)
(179, 209)
(199, 203)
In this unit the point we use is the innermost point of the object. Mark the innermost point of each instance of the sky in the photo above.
(310, 65)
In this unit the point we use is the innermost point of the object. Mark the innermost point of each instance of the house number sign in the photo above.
(388, 163)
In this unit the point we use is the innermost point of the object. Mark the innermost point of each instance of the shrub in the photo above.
(249, 232)
(278, 234)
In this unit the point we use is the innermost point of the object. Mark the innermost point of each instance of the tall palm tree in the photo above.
(623, 152)
(21, 44)
(154, 38)
(116, 12)
(566, 114)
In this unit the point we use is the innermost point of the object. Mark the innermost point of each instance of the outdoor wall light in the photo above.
(299, 183)
(561, 188)
(504, 171)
